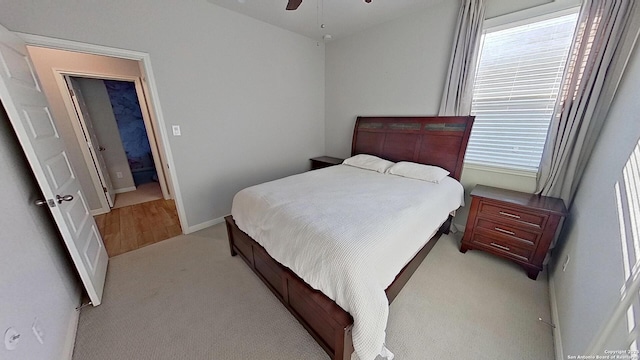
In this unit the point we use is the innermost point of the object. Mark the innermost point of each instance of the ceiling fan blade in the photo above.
(293, 4)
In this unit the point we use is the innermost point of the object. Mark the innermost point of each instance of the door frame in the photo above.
(59, 76)
(152, 100)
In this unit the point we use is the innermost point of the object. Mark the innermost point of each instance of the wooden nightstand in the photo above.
(513, 225)
(324, 161)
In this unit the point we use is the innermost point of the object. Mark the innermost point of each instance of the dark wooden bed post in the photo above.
(440, 141)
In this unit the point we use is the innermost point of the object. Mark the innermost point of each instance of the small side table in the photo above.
(324, 161)
(513, 225)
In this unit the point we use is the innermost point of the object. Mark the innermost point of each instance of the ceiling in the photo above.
(341, 17)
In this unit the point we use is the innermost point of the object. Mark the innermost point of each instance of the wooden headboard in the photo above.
(435, 140)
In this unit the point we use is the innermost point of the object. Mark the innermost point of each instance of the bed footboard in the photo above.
(327, 323)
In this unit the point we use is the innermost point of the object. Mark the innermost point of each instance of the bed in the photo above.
(439, 141)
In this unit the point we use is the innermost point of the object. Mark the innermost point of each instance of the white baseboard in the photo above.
(204, 225)
(70, 342)
(98, 212)
(459, 227)
(557, 336)
(124, 190)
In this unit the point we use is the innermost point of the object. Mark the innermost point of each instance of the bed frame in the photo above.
(440, 141)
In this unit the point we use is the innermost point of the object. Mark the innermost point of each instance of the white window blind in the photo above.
(516, 86)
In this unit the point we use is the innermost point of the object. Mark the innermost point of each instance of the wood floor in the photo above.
(132, 227)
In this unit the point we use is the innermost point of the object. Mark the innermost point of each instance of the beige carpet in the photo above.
(143, 193)
(187, 298)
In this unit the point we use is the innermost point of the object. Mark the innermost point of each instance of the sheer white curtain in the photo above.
(458, 89)
(605, 35)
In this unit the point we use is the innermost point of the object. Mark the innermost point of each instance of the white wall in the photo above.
(104, 123)
(590, 289)
(399, 68)
(46, 61)
(36, 279)
(248, 96)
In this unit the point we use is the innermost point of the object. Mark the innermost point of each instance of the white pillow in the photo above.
(369, 162)
(418, 171)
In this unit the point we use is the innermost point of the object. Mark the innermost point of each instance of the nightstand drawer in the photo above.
(502, 247)
(502, 230)
(513, 214)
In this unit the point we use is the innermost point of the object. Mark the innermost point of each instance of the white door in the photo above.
(28, 111)
(82, 111)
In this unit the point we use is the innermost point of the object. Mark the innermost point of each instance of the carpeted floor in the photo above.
(187, 298)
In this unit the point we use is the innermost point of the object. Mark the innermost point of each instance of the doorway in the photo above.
(114, 129)
(124, 151)
(112, 122)
(68, 76)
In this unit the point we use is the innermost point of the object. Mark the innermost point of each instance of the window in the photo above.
(516, 86)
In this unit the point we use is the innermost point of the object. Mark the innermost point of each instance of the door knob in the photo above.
(101, 148)
(60, 199)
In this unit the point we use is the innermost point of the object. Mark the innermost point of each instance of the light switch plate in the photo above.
(176, 130)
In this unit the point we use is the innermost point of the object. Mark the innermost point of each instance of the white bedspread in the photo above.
(347, 232)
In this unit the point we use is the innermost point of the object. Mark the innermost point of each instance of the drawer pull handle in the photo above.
(509, 215)
(500, 247)
(505, 231)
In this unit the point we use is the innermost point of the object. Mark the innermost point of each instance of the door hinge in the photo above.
(104, 188)
(71, 92)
